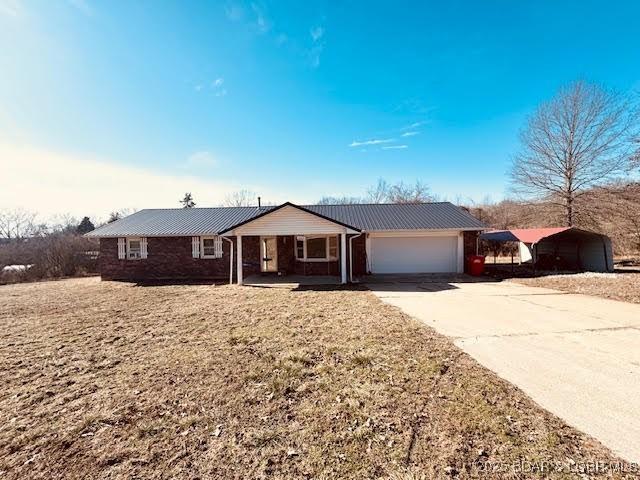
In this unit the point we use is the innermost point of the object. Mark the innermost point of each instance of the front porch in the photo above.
(291, 240)
(291, 281)
(311, 259)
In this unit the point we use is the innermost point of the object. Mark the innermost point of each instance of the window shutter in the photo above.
(122, 248)
(195, 247)
(218, 246)
(143, 247)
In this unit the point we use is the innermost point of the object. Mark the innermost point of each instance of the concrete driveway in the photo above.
(575, 355)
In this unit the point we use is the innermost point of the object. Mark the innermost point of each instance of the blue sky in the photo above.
(105, 105)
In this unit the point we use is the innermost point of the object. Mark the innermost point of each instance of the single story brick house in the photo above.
(347, 241)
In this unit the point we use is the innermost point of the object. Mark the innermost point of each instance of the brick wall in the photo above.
(168, 258)
(359, 255)
(250, 256)
(286, 254)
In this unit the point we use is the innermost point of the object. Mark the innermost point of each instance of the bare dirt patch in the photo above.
(112, 380)
(623, 286)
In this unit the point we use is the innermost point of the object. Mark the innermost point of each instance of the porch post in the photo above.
(239, 260)
(343, 257)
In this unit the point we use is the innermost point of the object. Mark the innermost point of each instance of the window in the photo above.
(317, 248)
(134, 248)
(211, 247)
(299, 247)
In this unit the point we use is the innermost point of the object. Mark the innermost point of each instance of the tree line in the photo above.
(32, 250)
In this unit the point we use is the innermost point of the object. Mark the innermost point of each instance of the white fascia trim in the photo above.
(233, 233)
(415, 233)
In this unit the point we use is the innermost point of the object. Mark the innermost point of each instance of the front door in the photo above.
(269, 254)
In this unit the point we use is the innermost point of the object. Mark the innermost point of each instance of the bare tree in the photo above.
(17, 223)
(379, 193)
(635, 156)
(383, 192)
(340, 200)
(405, 193)
(241, 198)
(580, 139)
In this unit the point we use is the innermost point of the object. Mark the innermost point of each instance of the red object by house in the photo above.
(475, 265)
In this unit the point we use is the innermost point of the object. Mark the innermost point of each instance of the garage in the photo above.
(417, 254)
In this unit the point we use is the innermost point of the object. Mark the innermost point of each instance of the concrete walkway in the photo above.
(575, 355)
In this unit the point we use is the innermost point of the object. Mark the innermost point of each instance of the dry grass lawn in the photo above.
(112, 380)
(623, 286)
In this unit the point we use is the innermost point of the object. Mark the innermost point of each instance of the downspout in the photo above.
(351, 255)
(230, 261)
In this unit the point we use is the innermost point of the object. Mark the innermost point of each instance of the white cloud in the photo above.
(316, 33)
(395, 147)
(201, 159)
(375, 141)
(217, 82)
(410, 134)
(414, 125)
(52, 183)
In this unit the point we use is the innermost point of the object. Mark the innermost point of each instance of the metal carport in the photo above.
(568, 247)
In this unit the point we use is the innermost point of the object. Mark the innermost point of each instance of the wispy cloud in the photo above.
(395, 147)
(317, 45)
(375, 141)
(262, 22)
(410, 134)
(215, 85)
(316, 33)
(414, 125)
(254, 16)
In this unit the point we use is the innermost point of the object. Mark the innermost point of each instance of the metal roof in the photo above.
(525, 235)
(368, 217)
(177, 222)
(401, 216)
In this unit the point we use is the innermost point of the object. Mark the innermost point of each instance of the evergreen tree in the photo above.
(187, 201)
(85, 226)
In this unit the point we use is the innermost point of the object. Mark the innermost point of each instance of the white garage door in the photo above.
(414, 254)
